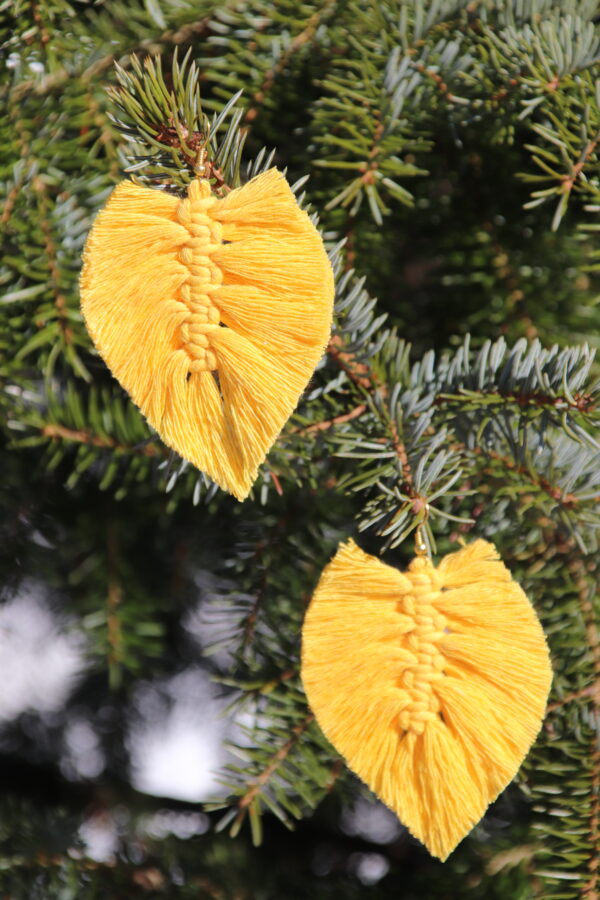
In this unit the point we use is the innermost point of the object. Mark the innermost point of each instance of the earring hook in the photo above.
(420, 542)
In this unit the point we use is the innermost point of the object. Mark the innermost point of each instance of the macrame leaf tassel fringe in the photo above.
(212, 313)
(431, 683)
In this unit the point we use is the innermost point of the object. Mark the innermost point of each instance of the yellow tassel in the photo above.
(431, 683)
(212, 313)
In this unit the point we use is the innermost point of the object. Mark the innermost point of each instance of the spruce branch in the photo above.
(325, 424)
(53, 430)
(297, 43)
(173, 140)
(421, 415)
(247, 803)
(288, 763)
(565, 790)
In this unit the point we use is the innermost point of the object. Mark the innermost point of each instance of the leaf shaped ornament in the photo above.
(211, 313)
(431, 683)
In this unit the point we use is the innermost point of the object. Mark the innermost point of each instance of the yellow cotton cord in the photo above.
(426, 630)
(212, 313)
(206, 236)
(432, 683)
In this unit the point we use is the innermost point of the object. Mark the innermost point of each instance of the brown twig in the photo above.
(358, 372)
(568, 181)
(276, 760)
(251, 618)
(11, 199)
(270, 685)
(335, 772)
(402, 455)
(326, 424)
(60, 302)
(361, 375)
(437, 80)
(276, 482)
(369, 168)
(576, 695)
(503, 92)
(306, 35)
(581, 402)
(84, 437)
(114, 597)
(56, 79)
(39, 21)
(569, 501)
(145, 876)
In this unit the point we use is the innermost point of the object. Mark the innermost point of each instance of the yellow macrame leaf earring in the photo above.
(431, 683)
(212, 313)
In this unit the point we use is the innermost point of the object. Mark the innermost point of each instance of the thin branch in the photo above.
(369, 168)
(359, 373)
(335, 772)
(93, 440)
(276, 482)
(402, 455)
(146, 876)
(56, 79)
(306, 35)
(583, 403)
(576, 695)
(502, 93)
(11, 199)
(326, 424)
(39, 21)
(270, 685)
(251, 618)
(275, 761)
(568, 181)
(437, 79)
(569, 501)
(114, 597)
(60, 302)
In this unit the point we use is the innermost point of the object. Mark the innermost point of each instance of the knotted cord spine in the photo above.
(204, 279)
(419, 679)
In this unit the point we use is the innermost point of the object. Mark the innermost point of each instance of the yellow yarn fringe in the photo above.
(431, 683)
(212, 313)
